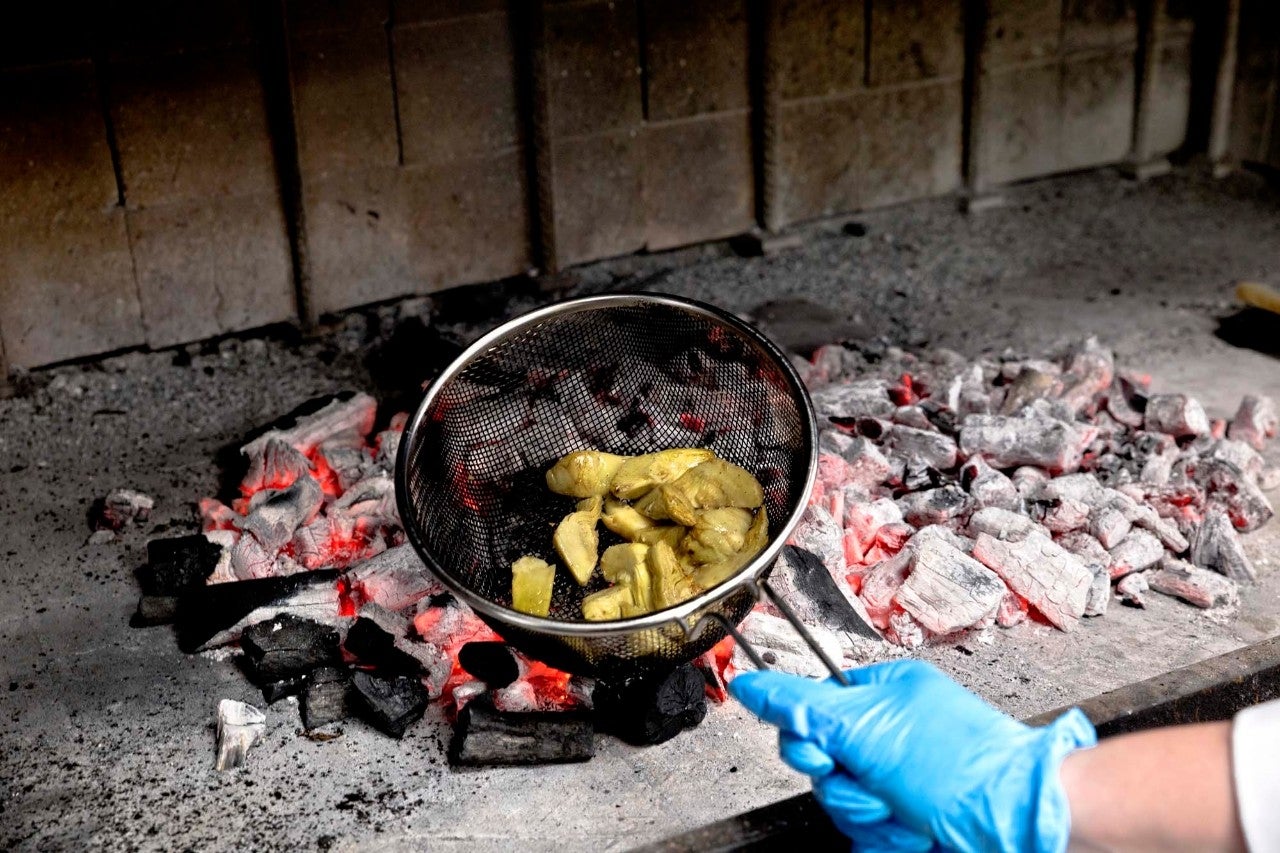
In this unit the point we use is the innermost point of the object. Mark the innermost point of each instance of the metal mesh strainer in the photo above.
(625, 374)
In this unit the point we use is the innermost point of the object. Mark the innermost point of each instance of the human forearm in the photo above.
(1162, 790)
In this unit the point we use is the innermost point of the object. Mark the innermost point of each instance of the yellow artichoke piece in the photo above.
(711, 485)
(756, 538)
(624, 519)
(671, 534)
(640, 474)
(583, 473)
(606, 604)
(653, 505)
(719, 533)
(592, 505)
(531, 582)
(670, 583)
(618, 562)
(578, 544)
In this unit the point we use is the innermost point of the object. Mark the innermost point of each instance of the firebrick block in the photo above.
(211, 266)
(822, 153)
(599, 210)
(191, 127)
(1097, 109)
(1019, 124)
(697, 180)
(1171, 103)
(819, 46)
(696, 57)
(456, 83)
(1099, 24)
(916, 40)
(344, 111)
(1019, 31)
(593, 68)
(914, 143)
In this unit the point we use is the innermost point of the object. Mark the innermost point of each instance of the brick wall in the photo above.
(170, 172)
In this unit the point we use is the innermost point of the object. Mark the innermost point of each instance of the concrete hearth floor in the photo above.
(106, 731)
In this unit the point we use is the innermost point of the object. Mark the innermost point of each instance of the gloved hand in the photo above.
(906, 751)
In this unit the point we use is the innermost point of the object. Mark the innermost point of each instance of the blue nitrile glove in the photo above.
(944, 763)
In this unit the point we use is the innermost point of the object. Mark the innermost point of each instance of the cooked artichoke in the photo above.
(640, 474)
(711, 485)
(624, 519)
(653, 505)
(757, 537)
(578, 544)
(592, 504)
(670, 584)
(671, 534)
(583, 473)
(531, 582)
(606, 604)
(719, 533)
(618, 562)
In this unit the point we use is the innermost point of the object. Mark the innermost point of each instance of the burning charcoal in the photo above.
(1099, 592)
(1166, 531)
(1013, 610)
(1052, 580)
(940, 417)
(175, 564)
(822, 535)
(1131, 589)
(214, 615)
(1087, 548)
(1028, 480)
(802, 580)
(276, 465)
(121, 508)
(989, 487)
(905, 631)
(273, 519)
(326, 697)
(251, 561)
(391, 703)
(1175, 414)
(1256, 420)
(1109, 525)
(1032, 440)
(1216, 546)
(931, 448)
(342, 421)
(881, 583)
(935, 506)
(864, 398)
(862, 523)
(1001, 524)
(1139, 550)
(1230, 487)
(650, 710)
(396, 579)
(346, 466)
(1030, 384)
(240, 726)
(375, 639)
(1065, 515)
(494, 663)
(1121, 408)
(782, 648)
(916, 475)
(485, 737)
(912, 417)
(1089, 371)
(274, 691)
(947, 590)
(1240, 455)
(388, 444)
(286, 646)
(1195, 586)
(374, 496)
(868, 466)
(835, 442)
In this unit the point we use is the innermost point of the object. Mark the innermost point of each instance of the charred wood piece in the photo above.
(1193, 585)
(286, 646)
(326, 698)
(650, 709)
(391, 703)
(485, 737)
(947, 589)
(804, 581)
(494, 663)
(175, 564)
(210, 616)
(1051, 579)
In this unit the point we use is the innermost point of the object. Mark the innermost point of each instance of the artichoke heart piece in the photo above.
(671, 534)
(670, 583)
(624, 519)
(711, 485)
(592, 505)
(640, 474)
(653, 505)
(757, 537)
(531, 582)
(607, 604)
(583, 473)
(618, 562)
(578, 544)
(719, 534)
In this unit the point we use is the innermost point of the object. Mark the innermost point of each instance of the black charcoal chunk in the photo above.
(175, 564)
(484, 737)
(799, 572)
(205, 613)
(274, 691)
(326, 698)
(492, 662)
(374, 645)
(155, 610)
(649, 709)
(286, 646)
(391, 703)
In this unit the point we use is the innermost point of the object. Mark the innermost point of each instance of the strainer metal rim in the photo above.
(677, 614)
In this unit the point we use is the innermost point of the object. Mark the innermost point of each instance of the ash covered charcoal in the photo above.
(1124, 407)
(1032, 383)
(835, 442)
(1193, 585)
(239, 727)
(1035, 439)
(391, 702)
(1132, 589)
(1089, 371)
(173, 566)
(277, 465)
(1138, 551)
(348, 465)
(494, 663)
(326, 698)
(1240, 455)
(1216, 546)
(803, 580)
(396, 579)
(935, 506)
(1001, 523)
(862, 525)
(821, 535)
(274, 515)
(905, 631)
(933, 449)
(122, 508)
(863, 398)
(372, 498)
(1052, 580)
(1064, 515)
(881, 583)
(1087, 548)
(782, 648)
(344, 420)
(868, 466)
(1228, 486)
(1099, 592)
(378, 638)
(1029, 480)
(989, 487)
(1109, 525)
(911, 417)
(650, 709)
(286, 646)
(1255, 421)
(217, 614)
(1013, 610)
(1177, 415)
(486, 737)
(251, 561)
(947, 590)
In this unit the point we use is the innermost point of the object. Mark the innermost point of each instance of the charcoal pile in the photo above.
(955, 495)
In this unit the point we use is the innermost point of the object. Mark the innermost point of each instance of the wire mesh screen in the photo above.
(628, 375)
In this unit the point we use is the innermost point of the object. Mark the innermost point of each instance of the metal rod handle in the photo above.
(790, 615)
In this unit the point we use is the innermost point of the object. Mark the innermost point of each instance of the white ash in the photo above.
(239, 727)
